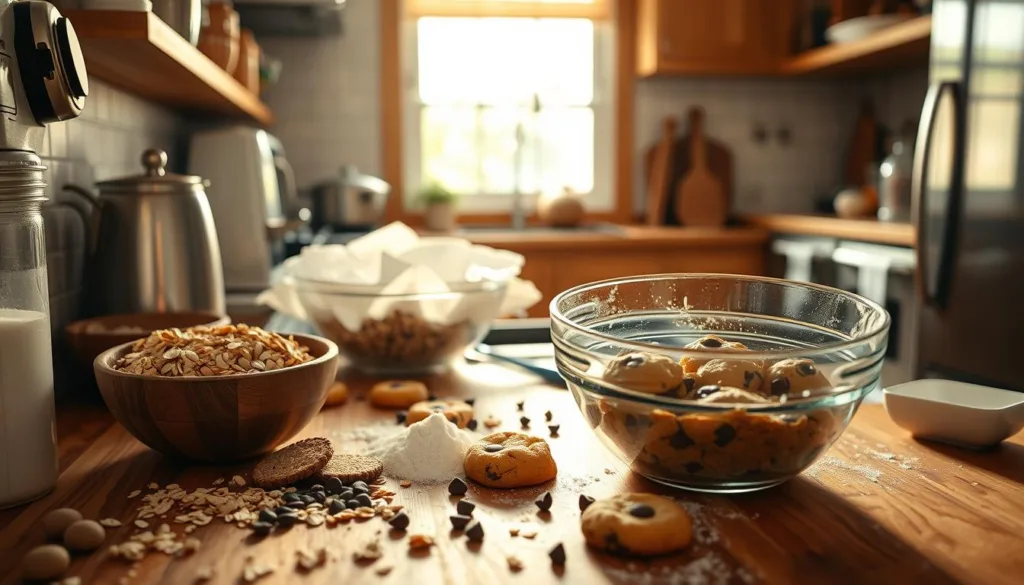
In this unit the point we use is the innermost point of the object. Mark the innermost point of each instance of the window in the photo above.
(505, 97)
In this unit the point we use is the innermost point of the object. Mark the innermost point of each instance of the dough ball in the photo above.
(726, 395)
(708, 343)
(794, 376)
(337, 394)
(84, 535)
(55, 522)
(645, 372)
(745, 374)
(45, 562)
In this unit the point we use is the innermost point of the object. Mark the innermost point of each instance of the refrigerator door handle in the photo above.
(936, 295)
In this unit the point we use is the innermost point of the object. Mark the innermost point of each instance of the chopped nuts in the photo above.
(398, 337)
(514, 564)
(142, 524)
(134, 493)
(369, 551)
(110, 522)
(306, 560)
(253, 571)
(405, 483)
(238, 480)
(420, 541)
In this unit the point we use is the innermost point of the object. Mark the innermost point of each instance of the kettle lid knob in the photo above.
(155, 161)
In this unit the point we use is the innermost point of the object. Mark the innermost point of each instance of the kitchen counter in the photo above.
(625, 237)
(864, 230)
(878, 508)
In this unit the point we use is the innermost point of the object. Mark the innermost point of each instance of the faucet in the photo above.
(518, 213)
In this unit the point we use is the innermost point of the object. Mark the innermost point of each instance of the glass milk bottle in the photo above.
(28, 446)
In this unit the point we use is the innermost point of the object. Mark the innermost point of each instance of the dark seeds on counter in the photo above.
(465, 507)
(459, 522)
(557, 554)
(307, 499)
(457, 487)
(472, 424)
(525, 421)
(680, 440)
(724, 435)
(334, 485)
(360, 487)
(352, 504)
(400, 521)
(290, 497)
(287, 520)
(492, 448)
(475, 532)
(297, 505)
(335, 506)
(346, 494)
(585, 502)
(400, 416)
(320, 497)
(545, 502)
(364, 500)
(261, 528)
(519, 405)
(548, 416)
(779, 386)
(268, 516)
(470, 401)
(641, 511)
(553, 429)
(283, 510)
(317, 488)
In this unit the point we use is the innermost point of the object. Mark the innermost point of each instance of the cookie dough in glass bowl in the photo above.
(717, 383)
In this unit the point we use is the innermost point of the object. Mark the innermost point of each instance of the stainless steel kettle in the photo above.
(154, 247)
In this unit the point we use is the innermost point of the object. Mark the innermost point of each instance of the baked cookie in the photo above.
(351, 467)
(725, 395)
(398, 393)
(645, 372)
(456, 411)
(708, 343)
(637, 524)
(510, 460)
(293, 463)
(743, 374)
(337, 395)
(794, 376)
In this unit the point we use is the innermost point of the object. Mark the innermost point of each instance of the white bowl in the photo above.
(965, 415)
(858, 28)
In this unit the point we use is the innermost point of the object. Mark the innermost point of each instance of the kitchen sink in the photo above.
(598, 228)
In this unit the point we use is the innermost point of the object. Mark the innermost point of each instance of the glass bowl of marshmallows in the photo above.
(717, 383)
(399, 304)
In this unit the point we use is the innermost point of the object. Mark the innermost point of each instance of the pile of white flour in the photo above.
(430, 451)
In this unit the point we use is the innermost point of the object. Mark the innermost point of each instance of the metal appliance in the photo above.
(184, 16)
(253, 200)
(351, 200)
(968, 196)
(270, 18)
(155, 247)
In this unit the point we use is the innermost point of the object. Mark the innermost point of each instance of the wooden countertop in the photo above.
(879, 508)
(627, 237)
(864, 230)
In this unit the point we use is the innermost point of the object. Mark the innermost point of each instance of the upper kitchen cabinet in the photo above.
(724, 37)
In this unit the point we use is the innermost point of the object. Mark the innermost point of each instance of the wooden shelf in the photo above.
(138, 52)
(900, 45)
(864, 230)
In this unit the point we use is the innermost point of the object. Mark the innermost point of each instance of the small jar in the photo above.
(28, 448)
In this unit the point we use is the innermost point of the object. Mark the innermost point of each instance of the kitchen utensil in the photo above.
(863, 145)
(184, 16)
(219, 39)
(700, 198)
(658, 182)
(91, 337)
(351, 199)
(218, 418)
(120, 5)
(965, 415)
(549, 375)
(862, 27)
(594, 324)
(894, 189)
(155, 247)
(719, 161)
(248, 70)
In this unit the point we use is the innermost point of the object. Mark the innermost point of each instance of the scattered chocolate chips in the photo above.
(548, 416)
(724, 435)
(360, 487)
(519, 405)
(465, 507)
(641, 511)
(351, 504)
(290, 497)
(585, 502)
(553, 429)
(297, 505)
(320, 497)
(287, 520)
(400, 521)
(400, 416)
(475, 532)
(458, 487)
(557, 554)
(364, 501)
(261, 528)
(710, 342)
(334, 485)
(493, 448)
(470, 401)
(268, 516)
(335, 506)
(525, 421)
(347, 494)
(806, 369)
(472, 424)
(317, 488)
(459, 521)
(278, 511)
(544, 503)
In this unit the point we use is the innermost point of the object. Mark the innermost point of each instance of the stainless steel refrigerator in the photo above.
(969, 196)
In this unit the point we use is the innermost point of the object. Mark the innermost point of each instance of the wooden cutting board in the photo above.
(660, 174)
(701, 199)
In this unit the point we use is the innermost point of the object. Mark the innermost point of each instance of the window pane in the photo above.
(448, 148)
(506, 61)
(565, 150)
(498, 151)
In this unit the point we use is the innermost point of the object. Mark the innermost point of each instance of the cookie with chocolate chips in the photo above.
(710, 343)
(637, 524)
(624, 422)
(649, 373)
(455, 411)
(793, 377)
(743, 374)
(510, 460)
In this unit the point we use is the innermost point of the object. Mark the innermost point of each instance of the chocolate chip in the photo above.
(705, 391)
(548, 416)
(634, 361)
(278, 511)
(519, 405)
(364, 500)
(779, 386)
(557, 554)
(290, 497)
(475, 532)
(352, 504)
(335, 506)
(457, 487)
(585, 502)
(525, 421)
(287, 520)
(472, 424)
(724, 435)
(465, 507)
(320, 497)
(261, 528)
(710, 342)
(459, 521)
(492, 448)
(268, 516)
(470, 401)
(317, 488)
(806, 369)
(553, 429)
(334, 485)
(297, 505)
(544, 503)
(399, 521)
(400, 416)
(431, 396)
(307, 499)
(749, 377)
(360, 487)
(641, 511)
(693, 467)
(347, 494)
(689, 383)
(680, 440)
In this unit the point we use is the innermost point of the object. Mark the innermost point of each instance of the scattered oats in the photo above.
(134, 493)
(315, 519)
(253, 571)
(306, 560)
(238, 480)
(331, 520)
(369, 551)
(365, 513)
(142, 524)
(153, 486)
(513, 531)
(514, 564)
(172, 487)
(110, 522)
(346, 515)
(418, 541)
(204, 574)
(405, 483)
(384, 570)
(191, 544)
(314, 506)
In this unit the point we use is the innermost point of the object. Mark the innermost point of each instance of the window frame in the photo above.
(620, 66)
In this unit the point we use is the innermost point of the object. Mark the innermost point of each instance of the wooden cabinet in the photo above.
(713, 37)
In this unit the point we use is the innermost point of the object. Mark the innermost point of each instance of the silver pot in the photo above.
(351, 200)
(184, 16)
(154, 246)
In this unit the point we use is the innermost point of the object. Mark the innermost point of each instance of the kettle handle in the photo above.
(91, 224)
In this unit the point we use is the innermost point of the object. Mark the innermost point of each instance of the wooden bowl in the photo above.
(218, 418)
(89, 338)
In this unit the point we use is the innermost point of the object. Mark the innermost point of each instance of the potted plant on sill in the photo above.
(439, 207)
